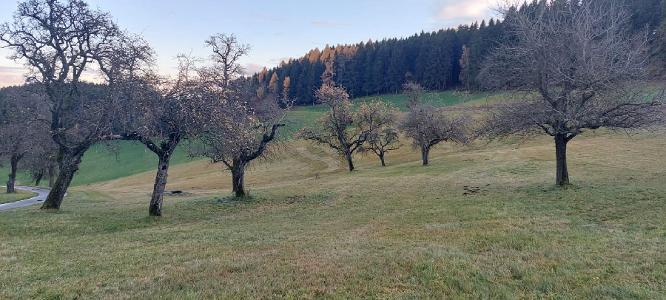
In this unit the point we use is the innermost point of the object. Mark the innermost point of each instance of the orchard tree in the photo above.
(385, 137)
(414, 93)
(574, 66)
(241, 131)
(227, 51)
(428, 126)
(23, 132)
(42, 162)
(245, 118)
(342, 128)
(65, 42)
(168, 112)
(163, 113)
(15, 143)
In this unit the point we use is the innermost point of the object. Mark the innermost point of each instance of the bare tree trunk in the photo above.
(69, 161)
(425, 153)
(38, 179)
(562, 173)
(381, 158)
(11, 182)
(52, 175)
(157, 198)
(238, 179)
(350, 161)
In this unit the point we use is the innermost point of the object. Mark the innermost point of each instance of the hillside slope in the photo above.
(115, 160)
(481, 222)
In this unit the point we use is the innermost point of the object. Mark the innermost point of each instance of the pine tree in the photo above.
(444, 59)
(465, 74)
(660, 47)
(286, 88)
(273, 84)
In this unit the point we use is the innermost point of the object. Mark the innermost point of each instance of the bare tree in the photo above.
(15, 144)
(414, 93)
(21, 128)
(574, 66)
(244, 119)
(385, 137)
(227, 51)
(65, 42)
(428, 126)
(342, 128)
(161, 114)
(42, 163)
(241, 132)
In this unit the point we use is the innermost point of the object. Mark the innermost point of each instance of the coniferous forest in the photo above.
(441, 60)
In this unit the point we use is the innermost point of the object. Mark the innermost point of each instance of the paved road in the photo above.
(41, 196)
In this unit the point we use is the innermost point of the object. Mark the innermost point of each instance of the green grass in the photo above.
(110, 161)
(401, 232)
(439, 99)
(103, 163)
(303, 116)
(300, 117)
(19, 195)
(121, 159)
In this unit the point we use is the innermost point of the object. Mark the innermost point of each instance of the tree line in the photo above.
(441, 60)
(569, 66)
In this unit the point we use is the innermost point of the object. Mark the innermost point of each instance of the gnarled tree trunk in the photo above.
(13, 167)
(157, 198)
(38, 178)
(562, 173)
(164, 150)
(238, 179)
(69, 161)
(52, 175)
(350, 161)
(381, 158)
(425, 154)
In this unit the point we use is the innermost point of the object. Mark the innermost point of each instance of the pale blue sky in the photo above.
(275, 29)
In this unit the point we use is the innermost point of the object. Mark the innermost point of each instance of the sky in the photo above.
(275, 30)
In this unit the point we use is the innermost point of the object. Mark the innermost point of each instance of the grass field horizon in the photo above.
(483, 221)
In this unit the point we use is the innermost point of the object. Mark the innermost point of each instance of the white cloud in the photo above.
(251, 69)
(453, 12)
(278, 61)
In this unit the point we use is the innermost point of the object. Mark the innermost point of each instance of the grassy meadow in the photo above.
(483, 221)
(18, 196)
(119, 159)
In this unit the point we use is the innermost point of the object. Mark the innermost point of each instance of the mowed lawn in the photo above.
(19, 195)
(303, 116)
(313, 230)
